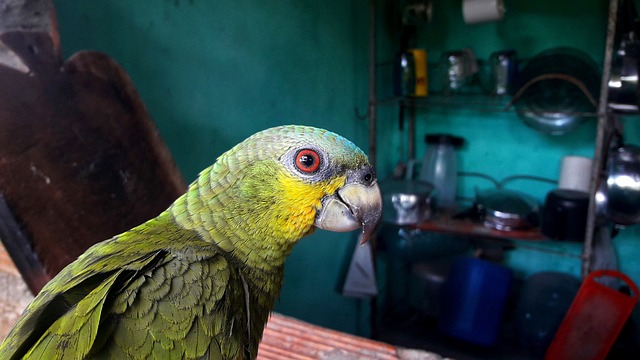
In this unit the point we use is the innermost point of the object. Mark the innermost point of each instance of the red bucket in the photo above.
(594, 319)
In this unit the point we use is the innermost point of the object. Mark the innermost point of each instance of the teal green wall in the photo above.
(213, 72)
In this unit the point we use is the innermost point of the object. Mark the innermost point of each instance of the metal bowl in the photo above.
(557, 88)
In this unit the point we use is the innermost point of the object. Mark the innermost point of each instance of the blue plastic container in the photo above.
(473, 300)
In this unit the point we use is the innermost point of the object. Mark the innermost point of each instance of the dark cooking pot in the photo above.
(564, 216)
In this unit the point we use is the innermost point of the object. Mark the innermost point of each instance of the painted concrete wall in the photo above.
(213, 72)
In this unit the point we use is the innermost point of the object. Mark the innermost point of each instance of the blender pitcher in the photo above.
(440, 167)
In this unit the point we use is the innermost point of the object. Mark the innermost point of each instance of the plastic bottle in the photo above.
(440, 167)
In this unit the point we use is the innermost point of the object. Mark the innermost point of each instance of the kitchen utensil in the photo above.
(504, 209)
(440, 167)
(360, 279)
(625, 59)
(473, 300)
(594, 320)
(542, 303)
(406, 202)
(503, 72)
(622, 189)
(564, 216)
(410, 73)
(457, 68)
(557, 87)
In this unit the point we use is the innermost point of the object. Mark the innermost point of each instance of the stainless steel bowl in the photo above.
(557, 88)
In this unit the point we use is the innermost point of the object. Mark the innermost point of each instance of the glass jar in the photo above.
(440, 167)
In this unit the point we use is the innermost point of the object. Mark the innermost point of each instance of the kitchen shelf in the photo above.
(476, 229)
(530, 239)
(477, 100)
(468, 101)
(465, 101)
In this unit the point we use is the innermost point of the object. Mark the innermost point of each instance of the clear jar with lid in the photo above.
(440, 167)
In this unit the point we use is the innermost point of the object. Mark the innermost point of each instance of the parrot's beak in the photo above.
(353, 206)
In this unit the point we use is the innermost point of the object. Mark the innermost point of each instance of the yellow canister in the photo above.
(410, 74)
(421, 77)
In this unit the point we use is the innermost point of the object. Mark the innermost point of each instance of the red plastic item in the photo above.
(594, 319)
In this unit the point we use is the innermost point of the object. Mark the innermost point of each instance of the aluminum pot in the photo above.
(406, 202)
(622, 187)
(504, 209)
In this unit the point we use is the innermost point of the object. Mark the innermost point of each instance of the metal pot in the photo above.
(564, 216)
(504, 209)
(406, 202)
(622, 188)
(624, 90)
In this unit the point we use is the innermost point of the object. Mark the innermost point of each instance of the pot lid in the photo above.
(507, 202)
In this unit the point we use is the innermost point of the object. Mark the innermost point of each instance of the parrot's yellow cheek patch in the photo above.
(300, 201)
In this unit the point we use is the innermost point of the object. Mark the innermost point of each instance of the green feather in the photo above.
(196, 282)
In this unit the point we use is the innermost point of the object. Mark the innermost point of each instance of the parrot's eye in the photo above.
(307, 161)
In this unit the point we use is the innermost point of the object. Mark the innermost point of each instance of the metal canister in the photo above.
(504, 69)
(410, 73)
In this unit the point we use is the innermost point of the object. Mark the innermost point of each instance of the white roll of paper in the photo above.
(575, 173)
(480, 11)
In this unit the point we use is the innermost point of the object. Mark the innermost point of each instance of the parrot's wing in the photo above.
(82, 287)
(164, 304)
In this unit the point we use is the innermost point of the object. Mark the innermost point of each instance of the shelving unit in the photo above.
(479, 102)
(532, 240)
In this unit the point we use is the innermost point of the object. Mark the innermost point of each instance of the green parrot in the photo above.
(200, 279)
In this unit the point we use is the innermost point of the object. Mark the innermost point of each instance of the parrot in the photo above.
(200, 280)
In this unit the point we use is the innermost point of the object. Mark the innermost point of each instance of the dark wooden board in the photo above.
(80, 158)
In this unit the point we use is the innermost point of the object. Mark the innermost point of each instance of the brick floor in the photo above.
(284, 338)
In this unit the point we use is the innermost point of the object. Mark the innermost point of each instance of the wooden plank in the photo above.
(81, 160)
(19, 248)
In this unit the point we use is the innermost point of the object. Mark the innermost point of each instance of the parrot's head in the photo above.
(311, 178)
(282, 183)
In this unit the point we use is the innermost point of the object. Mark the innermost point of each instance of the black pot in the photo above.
(564, 216)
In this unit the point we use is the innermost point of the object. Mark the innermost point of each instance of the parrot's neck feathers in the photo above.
(251, 227)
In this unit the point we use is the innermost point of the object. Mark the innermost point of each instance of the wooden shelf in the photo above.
(471, 228)
(531, 239)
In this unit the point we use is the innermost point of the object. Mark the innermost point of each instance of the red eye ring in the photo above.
(307, 160)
